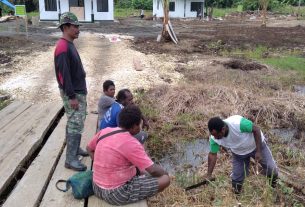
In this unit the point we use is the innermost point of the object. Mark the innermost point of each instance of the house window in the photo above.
(50, 5)
(102, 5)
(196, 6)
(171, 6)
(76, 3)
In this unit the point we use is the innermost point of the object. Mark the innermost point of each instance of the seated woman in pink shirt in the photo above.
(115, 159)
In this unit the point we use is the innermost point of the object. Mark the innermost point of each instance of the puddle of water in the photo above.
(183, 164)
(286, 135)
(300, 89)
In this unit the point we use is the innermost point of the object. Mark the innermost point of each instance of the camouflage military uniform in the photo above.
(76, 118)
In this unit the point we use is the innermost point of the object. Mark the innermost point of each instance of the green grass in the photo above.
(290, 10)
(33, 14)
(285, 10)
(287, 63)
(128, 12)
(4, 103)
(284, 60)
(221, 12)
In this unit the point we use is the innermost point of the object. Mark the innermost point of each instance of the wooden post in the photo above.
(17, 24)
(264, 5)
(26, 26)
(299, 10)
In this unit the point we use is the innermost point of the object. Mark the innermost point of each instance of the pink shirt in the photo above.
(116, 158)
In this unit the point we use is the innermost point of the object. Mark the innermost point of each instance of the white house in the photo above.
(179, 8)
(85, 10)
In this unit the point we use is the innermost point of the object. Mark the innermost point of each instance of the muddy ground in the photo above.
(140, 63)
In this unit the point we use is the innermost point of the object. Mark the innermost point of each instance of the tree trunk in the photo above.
(264, 5)
(165, 34)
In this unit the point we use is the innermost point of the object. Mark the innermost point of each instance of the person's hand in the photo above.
(258, 156)
(145, 124)
(74, 103)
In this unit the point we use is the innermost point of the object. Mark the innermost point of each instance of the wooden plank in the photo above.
(9, 113)
(56, 198)
(33, 184)
(21, 141)
(9, 109)
(18, 127)
(96, 202)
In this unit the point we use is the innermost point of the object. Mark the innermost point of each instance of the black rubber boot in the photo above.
(273, 181)
(72, 162)
(237, 187)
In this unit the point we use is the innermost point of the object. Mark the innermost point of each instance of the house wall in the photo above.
(47, 15)
(179, 8)
(64, 5)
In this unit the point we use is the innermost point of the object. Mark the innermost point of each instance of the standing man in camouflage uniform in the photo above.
(71, 76)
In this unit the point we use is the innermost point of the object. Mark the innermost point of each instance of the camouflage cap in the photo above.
(68, 18)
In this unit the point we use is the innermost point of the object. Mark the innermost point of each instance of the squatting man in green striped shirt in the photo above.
(245, 140)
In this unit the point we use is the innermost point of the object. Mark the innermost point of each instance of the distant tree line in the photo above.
(135, 4)
(251, 4)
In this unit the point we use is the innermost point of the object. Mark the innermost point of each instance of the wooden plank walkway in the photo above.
(20, 138)
(23, 127)
(8, 114)
(54, 197)
(31, 187)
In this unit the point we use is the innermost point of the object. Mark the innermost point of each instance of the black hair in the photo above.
(122, 95)
(62, 26)
(129, 116)
(216, 123)
(107, 84)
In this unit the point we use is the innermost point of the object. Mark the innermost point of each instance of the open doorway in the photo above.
(197, 7)
(77, 7)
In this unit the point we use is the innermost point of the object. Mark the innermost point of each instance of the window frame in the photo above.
(173, 7)
(50, 7)
(101, 7)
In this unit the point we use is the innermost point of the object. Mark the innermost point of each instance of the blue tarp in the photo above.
(9, 4)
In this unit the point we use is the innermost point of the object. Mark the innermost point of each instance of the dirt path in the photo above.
(35, 81)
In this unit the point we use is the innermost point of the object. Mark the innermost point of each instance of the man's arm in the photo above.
(156, 170)
(163, 177)
(258, 141)
(90, 152)
(62, 62)
(145, 123)
(212, 158)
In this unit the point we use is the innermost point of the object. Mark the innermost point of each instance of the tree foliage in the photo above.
(135, 4)
(251, 4)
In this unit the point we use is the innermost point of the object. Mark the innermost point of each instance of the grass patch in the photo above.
(284, 60)
(290, 10)
(4, 104)
(287, 63)
(33, 14)
(221, 12)
(129, 12)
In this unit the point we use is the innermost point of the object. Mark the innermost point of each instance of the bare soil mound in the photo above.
(243, 65)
